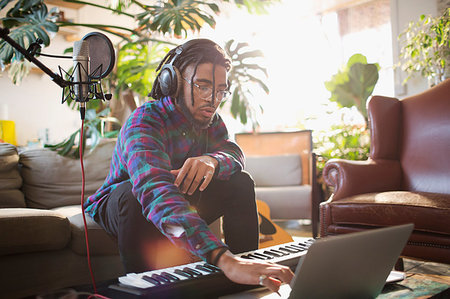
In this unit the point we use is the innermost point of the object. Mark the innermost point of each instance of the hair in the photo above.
(196, 51)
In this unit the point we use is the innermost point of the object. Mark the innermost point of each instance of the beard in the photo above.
(198, 125)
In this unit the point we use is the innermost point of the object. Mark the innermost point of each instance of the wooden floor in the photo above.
(296, 228)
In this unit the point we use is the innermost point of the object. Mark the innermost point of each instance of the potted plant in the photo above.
(139, 51)
(425, 48)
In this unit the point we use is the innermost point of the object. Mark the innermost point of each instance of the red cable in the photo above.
(83, 182)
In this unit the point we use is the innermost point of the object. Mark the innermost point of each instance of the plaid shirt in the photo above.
(156, 139)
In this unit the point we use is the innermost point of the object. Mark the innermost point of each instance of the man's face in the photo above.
(202, 110)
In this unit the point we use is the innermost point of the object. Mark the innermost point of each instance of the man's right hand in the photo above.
(244, 271)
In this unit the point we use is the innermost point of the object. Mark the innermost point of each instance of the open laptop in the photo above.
(354, 265)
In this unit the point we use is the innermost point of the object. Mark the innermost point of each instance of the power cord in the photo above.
(83, 183)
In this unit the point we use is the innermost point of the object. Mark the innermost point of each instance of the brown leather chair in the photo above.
(406, 179)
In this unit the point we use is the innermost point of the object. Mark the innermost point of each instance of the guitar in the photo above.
(270, 234)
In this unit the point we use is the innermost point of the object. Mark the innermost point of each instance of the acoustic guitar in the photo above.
(270, 234)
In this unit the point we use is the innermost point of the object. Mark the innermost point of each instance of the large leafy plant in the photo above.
(354, 83)
(244, 75)
(140, 49)
(425, 47)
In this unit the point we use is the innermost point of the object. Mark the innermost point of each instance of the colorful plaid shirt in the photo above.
(156, 139)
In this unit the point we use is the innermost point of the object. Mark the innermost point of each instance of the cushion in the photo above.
(290, 202)
(283, 170)
(100, 243)
(50, 180)
(10, 179)
(429, 211)
(31, 230)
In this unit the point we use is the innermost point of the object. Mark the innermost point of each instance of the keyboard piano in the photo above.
(200, 279)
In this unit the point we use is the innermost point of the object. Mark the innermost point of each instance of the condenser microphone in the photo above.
(81, 68)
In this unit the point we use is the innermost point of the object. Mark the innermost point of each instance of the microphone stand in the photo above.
(28, 55)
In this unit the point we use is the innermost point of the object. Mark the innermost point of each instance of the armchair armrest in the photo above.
(357, 177)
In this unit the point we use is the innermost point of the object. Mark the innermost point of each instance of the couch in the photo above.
(406, 178)
(42, 239)
(282, 165)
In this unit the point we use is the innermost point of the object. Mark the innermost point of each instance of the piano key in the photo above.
(272, 253)
(169, 276)
(212, 267)
(160, 278)
(192, 271)
(211, 282)
(151, 279)
(267, 257)
(204, 269)
(184, 273)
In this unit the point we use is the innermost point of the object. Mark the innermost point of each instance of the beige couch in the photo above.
(282, 165)
(42, 239)
(42, 242)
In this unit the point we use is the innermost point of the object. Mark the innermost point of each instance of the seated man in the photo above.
(174, 171)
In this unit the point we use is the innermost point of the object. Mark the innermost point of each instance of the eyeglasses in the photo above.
(205, 92)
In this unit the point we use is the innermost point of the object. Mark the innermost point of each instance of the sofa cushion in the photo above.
(10, 179)
(100, 243)
(31, 230)
(282, 170)
(428, 211)
(290, 202)
(50, 180)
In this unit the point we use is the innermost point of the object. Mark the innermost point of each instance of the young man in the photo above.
(174, 171)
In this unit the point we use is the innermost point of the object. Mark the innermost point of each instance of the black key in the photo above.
(192, 271)
(246, 257)
(204, 269)
(279, 252)
(295, 248)
(160, 278)
(267, 257)
(273, 253)
(151, 279)
(212, 267)
(183, 273)
(254, 256)
(169, 276)
(288, 250)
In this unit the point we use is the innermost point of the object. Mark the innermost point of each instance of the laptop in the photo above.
(354, 265)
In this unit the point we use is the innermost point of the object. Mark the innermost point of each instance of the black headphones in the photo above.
(169, 78)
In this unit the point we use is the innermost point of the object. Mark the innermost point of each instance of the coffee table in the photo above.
(423, 280)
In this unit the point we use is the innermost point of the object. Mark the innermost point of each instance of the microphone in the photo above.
(81, 68)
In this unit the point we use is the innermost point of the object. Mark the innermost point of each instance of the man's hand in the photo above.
(193, 171)
(251, 272)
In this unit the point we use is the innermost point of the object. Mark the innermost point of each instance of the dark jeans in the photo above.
(120, 214)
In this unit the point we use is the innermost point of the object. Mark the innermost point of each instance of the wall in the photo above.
(35, 105)
(403, 12)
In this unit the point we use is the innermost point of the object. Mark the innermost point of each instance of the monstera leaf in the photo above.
(27, 21)
(244, 76)
(354, 84)
(178, 16)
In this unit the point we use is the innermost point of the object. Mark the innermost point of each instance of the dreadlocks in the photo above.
(195, 52)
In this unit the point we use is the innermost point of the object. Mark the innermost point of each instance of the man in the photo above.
(174, 171)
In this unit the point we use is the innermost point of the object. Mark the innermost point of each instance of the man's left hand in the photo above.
(193, 171)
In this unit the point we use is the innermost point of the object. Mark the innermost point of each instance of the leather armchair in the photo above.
(406, 178)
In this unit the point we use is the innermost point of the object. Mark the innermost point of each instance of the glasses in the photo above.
(205, 92)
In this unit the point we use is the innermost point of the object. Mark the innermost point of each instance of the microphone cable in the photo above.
(83, 184)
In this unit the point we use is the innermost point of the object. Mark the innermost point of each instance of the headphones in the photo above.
(169, 78)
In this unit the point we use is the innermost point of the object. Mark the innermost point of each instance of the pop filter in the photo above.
(101, 54)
